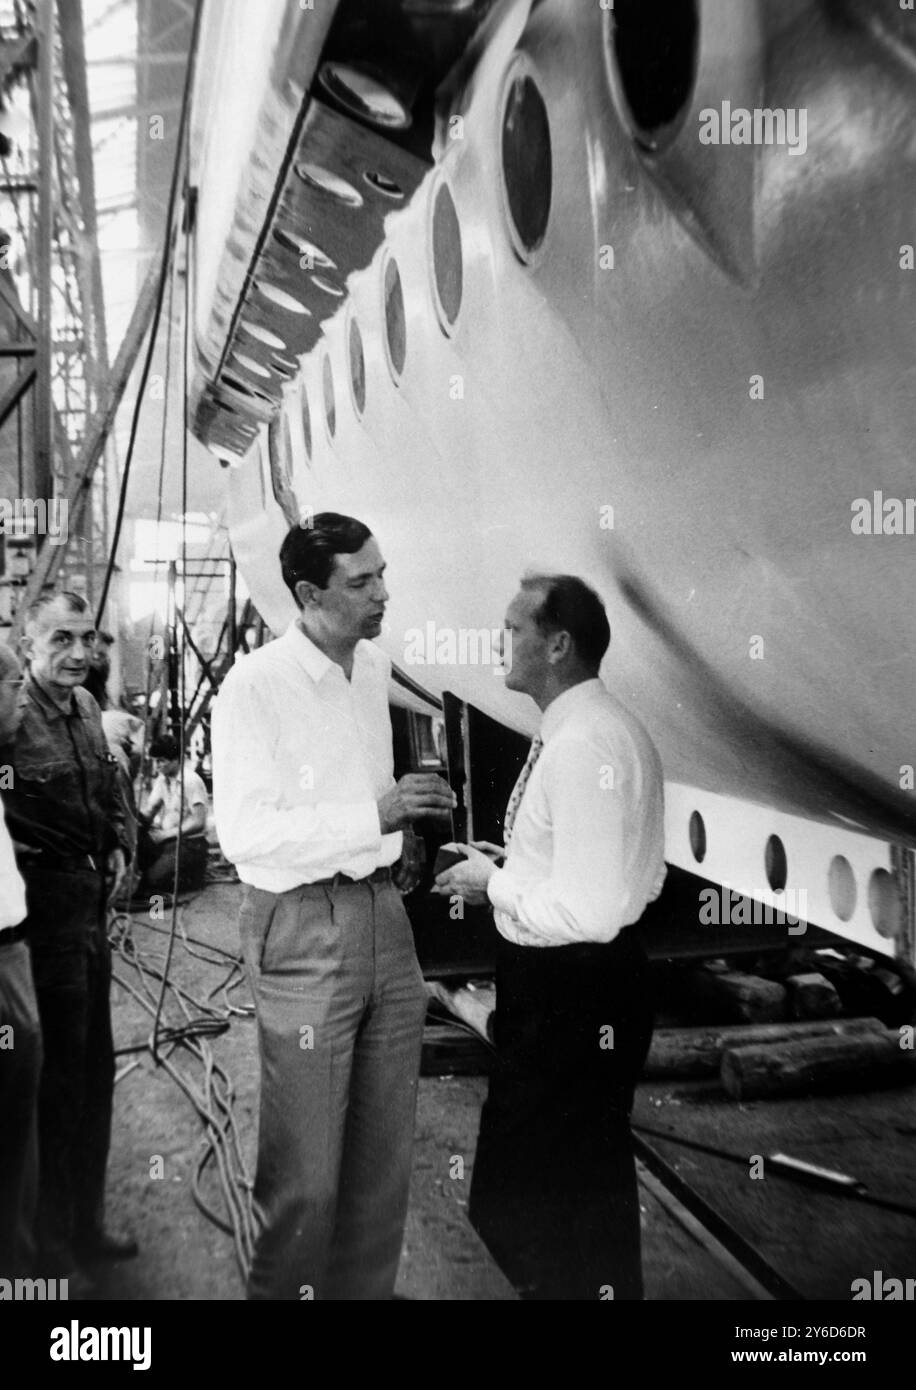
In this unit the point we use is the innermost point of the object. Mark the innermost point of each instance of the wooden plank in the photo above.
(694, 1052)
(815, 1066)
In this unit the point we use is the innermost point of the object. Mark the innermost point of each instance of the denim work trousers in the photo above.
(553, 1191)
(20, 1069)
(71, 964)
(340, 1004)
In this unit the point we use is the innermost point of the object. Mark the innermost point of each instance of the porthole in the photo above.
(330, 407)
(527, 161)
(448, 266)
(841, 885)
(327, 286)
(275, 295)
(385, 185)
(318, 177)
(280, 454)
(364, 96)
(306, 424)
(357, 366)
(284, 366)
(884, 904)
(435, 9)
(395, 319)
(311, 257)
(651, 51)
(251, 365)
(697, 832)
(262, 335)
(776, 864)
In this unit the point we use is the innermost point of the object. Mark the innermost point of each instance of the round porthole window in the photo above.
(651, 52)
(448, 266)
(395, 319)
(306, 424)
(357, 367)
(330, 407)
(527, 161)
(280, 452)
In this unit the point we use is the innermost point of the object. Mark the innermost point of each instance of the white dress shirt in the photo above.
(301, 756)
(12, 888)
(587, 849)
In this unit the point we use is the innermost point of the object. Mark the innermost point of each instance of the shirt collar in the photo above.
(564, 704)
(49, 708)
(312, 659)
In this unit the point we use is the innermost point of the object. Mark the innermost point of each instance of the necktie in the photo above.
(518, 791)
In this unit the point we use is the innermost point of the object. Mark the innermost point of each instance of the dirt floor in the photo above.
(158, 1141)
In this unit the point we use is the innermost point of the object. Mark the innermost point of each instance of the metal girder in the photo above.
(14, 393)
(44, 417)
(16, 55)
(11, 300)
(51, 556)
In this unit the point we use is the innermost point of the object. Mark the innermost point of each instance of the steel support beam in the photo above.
(50, 557)
(11, 398)
(44, 426)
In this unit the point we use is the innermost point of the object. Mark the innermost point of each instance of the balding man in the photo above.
(67, 817)
(20, 1034)
(554, 1186)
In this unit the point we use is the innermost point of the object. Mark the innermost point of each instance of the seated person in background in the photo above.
(159, 822)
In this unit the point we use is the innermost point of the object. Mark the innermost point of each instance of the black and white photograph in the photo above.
(458, 668)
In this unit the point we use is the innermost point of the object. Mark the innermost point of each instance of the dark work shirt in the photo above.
(64, 797)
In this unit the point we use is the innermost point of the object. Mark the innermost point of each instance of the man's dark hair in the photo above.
(309, 549)
(570, 605)
(72, 602)
(165, 746)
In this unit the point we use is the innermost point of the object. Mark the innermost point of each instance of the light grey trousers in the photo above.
(340, 1007)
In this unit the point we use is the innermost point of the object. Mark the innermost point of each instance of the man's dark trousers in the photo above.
(553, 1190)
(341, 1004)
(20, 1069)
(71, 964)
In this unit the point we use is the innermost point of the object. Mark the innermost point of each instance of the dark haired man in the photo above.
(307, 809)
(176, 801)
(554, 1187)
(68, 821)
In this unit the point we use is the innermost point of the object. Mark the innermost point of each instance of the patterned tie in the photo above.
(518, 791)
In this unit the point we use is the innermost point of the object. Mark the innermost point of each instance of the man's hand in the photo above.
(417, 795)
(116, 869)
(407, 872)
(468, 879)
(487, 847)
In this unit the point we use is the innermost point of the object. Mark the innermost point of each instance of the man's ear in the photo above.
(307, 594)
(559, 647)
(26, 645)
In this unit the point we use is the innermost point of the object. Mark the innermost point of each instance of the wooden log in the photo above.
(734, 997)
(817, 1066)
(811, 996)
(691, 1052)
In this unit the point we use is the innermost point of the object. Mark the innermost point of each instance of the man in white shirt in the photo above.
(20, 1034)
(174, 801)
(554, 1187)
(307, 809)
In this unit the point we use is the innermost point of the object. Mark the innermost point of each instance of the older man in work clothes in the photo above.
(67, 820)
(20, 1034)
(307, 808)
(554, 1187)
